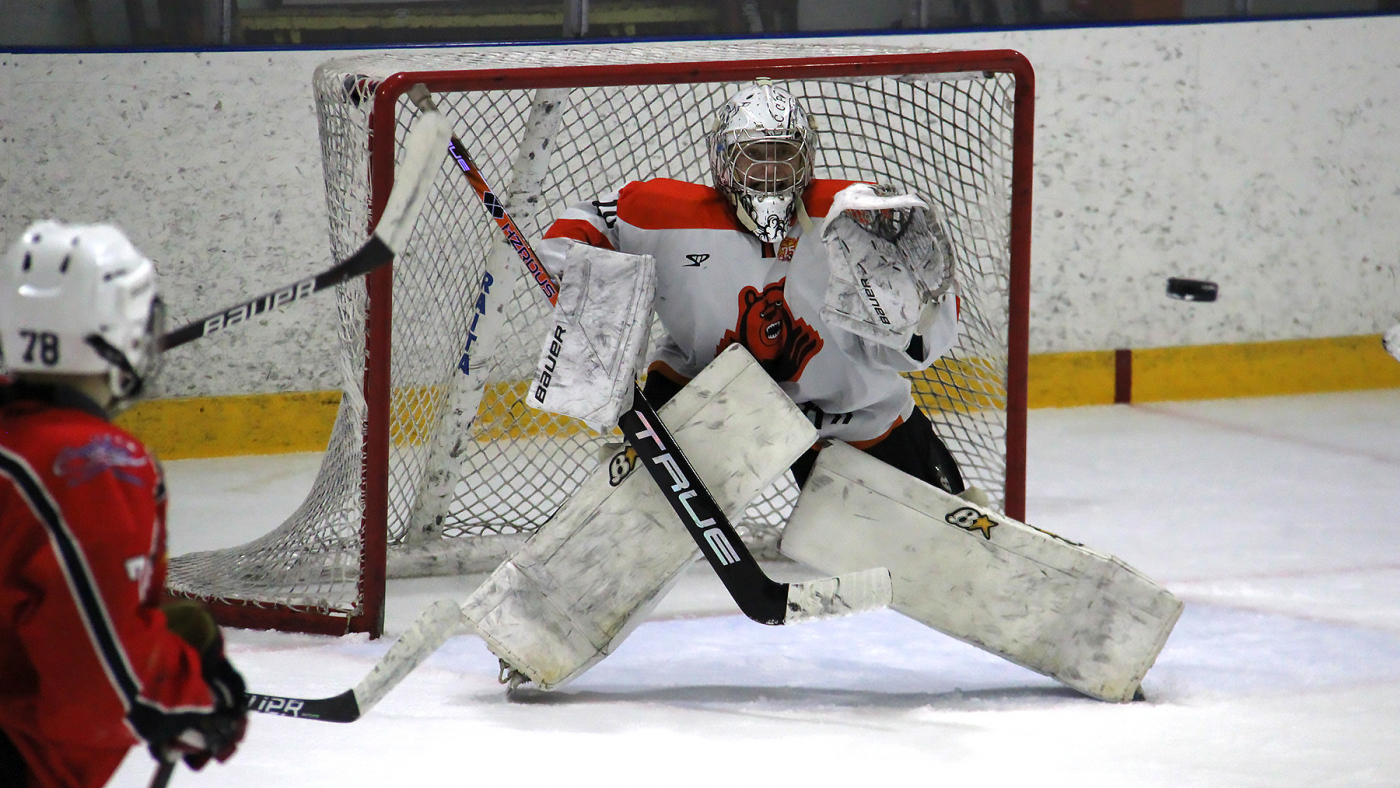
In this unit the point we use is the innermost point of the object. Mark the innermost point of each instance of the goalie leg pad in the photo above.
(1045, 603)
(579, 586)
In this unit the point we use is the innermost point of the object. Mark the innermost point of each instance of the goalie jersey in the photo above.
(718, 284)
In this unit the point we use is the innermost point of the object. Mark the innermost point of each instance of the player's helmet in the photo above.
(761, 151)
(80, 300)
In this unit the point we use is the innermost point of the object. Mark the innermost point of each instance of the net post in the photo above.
(378, 385)
(1018, 329)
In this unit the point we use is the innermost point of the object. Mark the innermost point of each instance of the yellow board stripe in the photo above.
(1069, 380)
(178, 429)
(504, 414)
(1263, 369)
(302, 421)
(501, 414)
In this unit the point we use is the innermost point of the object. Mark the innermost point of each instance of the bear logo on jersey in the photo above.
(781, 343)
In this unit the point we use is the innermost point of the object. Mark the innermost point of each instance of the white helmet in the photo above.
(80, 300)
(761, 152)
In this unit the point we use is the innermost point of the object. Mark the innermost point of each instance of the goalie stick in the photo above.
(759, 597)
(427, 136)
(434, 626)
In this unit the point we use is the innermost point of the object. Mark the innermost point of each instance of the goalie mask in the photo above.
(80, 300)
(761, 151)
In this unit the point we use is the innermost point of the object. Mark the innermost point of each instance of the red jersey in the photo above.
(87, 666)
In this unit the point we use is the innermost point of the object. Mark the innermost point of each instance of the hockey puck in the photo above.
(1191, 289)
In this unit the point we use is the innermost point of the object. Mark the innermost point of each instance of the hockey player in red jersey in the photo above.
(90, 662)
(833, 310)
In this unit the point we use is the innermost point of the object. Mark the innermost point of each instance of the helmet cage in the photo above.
(761, 153)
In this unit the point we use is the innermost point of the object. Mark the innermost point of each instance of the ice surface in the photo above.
(1277, 521)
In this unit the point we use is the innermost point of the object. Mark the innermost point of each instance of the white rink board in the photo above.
(1260, 155)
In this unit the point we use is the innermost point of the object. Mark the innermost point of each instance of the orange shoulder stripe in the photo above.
(819, 194)
(578, 230)
(664, 204)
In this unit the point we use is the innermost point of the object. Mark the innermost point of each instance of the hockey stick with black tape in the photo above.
(414, 179)
(760, 597)
(434, 626)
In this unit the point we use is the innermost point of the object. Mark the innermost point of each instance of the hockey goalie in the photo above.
(791, 306)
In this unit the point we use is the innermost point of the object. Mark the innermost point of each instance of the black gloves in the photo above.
(215, 734)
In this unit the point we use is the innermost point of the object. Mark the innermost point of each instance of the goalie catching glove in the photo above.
(891, 264)
(589, 361)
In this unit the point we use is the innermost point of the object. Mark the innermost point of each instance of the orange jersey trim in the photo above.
(866, 444)
(578, 230)
(819, 195)
(665, 204)
(664, 370)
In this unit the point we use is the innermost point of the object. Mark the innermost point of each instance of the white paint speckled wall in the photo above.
(1264, 156)
(212, 165)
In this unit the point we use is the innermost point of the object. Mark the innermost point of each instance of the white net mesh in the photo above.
(460, 497)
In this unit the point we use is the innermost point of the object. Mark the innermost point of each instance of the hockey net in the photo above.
(416, 478)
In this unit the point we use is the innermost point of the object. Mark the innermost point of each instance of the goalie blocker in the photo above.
(1043, 602)
(589, 359)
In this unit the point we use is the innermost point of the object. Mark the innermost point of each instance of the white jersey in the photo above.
(717, 284)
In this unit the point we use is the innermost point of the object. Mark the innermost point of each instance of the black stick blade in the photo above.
(340, 708)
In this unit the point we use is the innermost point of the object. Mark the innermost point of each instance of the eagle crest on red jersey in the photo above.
(782, 343)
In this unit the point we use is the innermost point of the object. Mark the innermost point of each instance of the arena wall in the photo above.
(1264, 156)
